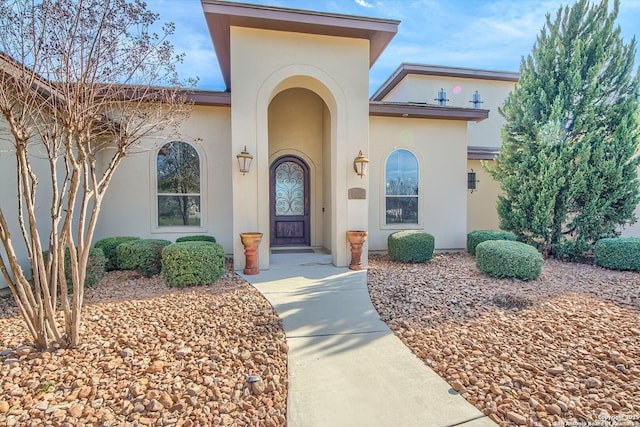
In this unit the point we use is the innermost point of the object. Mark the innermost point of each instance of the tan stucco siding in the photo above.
(634, 229)
(130, 205)
(9, 199)
(481, 204)
(440, 148)
(265, 63)
(421, 88)
(8, 190)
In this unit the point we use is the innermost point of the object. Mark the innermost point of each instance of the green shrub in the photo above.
(192, 263)
(109, 246)
(143, 255)
(505, 258)
(196, 238)
(410, 246)
(95, 266)
(478, 236)
(620, 253)
(571, 250)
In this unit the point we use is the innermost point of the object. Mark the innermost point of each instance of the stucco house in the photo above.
(297, 101)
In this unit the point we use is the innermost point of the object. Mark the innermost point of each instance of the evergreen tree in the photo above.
(568, 165)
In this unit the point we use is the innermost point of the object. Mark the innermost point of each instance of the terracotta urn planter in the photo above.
(356, 238)
(251, 241)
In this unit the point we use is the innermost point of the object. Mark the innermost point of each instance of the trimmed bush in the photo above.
(192, 263)
(410, 246)
(478, 236)
(619, 253)
(506, 258)
(109, 246)
(196, 238)
(95, 266)
(143, 255)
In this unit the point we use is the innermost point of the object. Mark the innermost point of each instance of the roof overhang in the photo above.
(210, 98)
(426, 111)
(482, 153)
(438, 70)
(222, 15)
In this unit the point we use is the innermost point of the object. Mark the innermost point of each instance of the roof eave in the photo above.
(426, 111)
(438, 70)
(210, 98)
(482, 153)
(222, 15)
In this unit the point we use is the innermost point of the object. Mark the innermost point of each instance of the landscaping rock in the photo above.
(151, 355)
(561, 348)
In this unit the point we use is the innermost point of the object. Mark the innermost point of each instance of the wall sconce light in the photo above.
(441, 97)
(360, 164)
(471, 181)
(476, 99)
(244, 160)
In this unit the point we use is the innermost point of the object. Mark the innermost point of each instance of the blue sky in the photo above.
(486, 34)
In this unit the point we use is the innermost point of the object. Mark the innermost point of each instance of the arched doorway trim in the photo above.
(319, 82)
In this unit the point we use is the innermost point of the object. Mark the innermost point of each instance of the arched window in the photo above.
(401, 187)
(178, 185)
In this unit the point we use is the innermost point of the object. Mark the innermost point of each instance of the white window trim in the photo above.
(383, 196)
(155, 228)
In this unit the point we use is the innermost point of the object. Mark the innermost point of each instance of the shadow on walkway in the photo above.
(346, 367)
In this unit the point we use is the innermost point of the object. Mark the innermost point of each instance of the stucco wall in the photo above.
(8, 195)
(130, 205)
(422, 88)
(481, 204)
(633, 230)
(263, 64)
(440, 147)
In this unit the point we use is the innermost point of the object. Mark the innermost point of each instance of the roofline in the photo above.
(426, 111)
(209, 98)
(14, 68)
(222, 15)
(482, 153)
(439, 70)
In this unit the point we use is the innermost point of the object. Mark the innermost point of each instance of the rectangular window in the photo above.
(402, 209)
(175, 211)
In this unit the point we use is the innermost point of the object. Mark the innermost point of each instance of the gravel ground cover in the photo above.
(557, 351)
(151, 355)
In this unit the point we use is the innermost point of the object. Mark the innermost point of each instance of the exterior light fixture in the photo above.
(360, 164)
(441, 97)
(471, 181)
(476, 99)
(244, 160)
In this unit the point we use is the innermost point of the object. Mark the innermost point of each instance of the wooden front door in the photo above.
(289, 184)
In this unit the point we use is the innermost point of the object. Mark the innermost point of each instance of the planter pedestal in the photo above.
(251, 241)
(356, 238)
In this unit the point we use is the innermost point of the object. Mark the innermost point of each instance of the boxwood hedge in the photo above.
(478, 236)
(410, 246)
(95, 266)
(143, 255)
(109, 246)
(196, 238)
(621, 253)
(192, 263)
(505, 258)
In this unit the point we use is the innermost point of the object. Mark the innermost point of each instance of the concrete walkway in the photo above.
(346, 367)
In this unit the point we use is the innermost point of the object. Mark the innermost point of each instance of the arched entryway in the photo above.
(290, 206)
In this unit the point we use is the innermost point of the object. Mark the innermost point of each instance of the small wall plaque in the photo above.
(357, 193)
